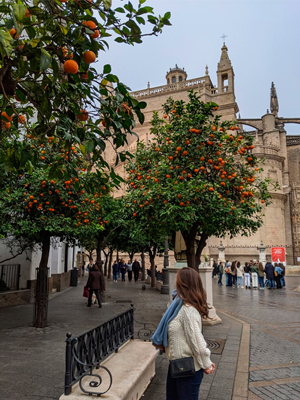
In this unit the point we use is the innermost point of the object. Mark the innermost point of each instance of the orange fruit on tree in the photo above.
(83, 116)
(21, 119)
(71, 67)
(90, 24)
(6, 117)
(95, 34)
(13, 33)
(89, 57)
(211, 189)
(27, 14)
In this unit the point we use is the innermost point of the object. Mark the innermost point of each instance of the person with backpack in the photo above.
(270, 276)
(221, 271)
(247, 272)
(278, 275)
(233, 273)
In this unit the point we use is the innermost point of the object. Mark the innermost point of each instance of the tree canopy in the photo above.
(197, 175)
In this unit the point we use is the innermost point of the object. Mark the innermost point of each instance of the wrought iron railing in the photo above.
(9, 277)
(87, 350)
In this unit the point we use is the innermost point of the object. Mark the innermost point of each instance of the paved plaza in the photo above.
(260, 359)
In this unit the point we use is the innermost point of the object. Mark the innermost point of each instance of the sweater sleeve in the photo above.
(192, 328)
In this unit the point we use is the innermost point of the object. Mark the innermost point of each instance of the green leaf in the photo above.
(112, 78)
(142, 1)
(46, 60)
(30, 31)
(6, 42)
(82, 148)
(25, 155)
(4, 9)
(63, 29)
(142, 104)
(34, 42)
(106, 69)
(120, 10)
(89, 145)
(18, 12)
(107, 4)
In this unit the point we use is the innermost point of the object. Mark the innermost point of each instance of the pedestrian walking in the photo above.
(247, 270)
(261, 274)
(233, 273)
(136, 269)
(282, 275)
(116, 270)
(215, 269)
(95, 284)
(123, 268)
(221, 271)
(278, 275)
(239, 275)
(89, 265)
(270, 276)
(181, 331)
(129, 270)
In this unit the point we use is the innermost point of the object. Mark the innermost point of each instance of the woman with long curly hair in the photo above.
(180, 334)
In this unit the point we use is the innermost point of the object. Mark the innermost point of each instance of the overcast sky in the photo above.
(262, 40)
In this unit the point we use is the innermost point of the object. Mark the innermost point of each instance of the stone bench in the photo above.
(132, 369)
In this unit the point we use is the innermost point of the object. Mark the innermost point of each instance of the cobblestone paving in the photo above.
(274, 319)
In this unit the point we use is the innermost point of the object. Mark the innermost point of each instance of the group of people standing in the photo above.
(120, 268)
(253, 272)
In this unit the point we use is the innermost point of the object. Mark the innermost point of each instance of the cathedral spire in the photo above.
(274, 106)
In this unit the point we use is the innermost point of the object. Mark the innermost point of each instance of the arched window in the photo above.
(173, 79)
(180, 78)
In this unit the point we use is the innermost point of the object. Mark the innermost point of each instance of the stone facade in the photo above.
(280, 152)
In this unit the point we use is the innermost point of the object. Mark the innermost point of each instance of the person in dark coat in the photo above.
(269, 270)
(116, 270)
(215, 269)
(96, 284)
(123, 269)
(136, 269)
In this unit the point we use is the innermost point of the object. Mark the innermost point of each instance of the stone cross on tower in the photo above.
(274, 106)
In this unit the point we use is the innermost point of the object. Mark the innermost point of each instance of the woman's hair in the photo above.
(276, 265)
(233, 266)
(96, 267)
(260, 267)
(190, 290)
(238, 264)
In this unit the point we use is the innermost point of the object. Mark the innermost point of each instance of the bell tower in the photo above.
(225, 72)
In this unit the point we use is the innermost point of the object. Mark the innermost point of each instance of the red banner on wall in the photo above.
(278, 254)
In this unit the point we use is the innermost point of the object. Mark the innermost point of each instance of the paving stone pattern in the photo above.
(274, 319)
(32, 360)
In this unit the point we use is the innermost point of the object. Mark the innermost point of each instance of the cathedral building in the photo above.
(281, 154)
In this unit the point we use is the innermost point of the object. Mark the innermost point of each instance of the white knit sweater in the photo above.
(185, 338)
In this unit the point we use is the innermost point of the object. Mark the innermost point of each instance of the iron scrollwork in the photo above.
(85, 352)
(146, 332)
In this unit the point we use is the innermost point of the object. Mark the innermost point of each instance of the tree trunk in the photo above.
(106, 261)
(42, 290)
(152, 254)
(109, 263)
(98, 251)
(189, 239)
(200, 246)
(143, 265)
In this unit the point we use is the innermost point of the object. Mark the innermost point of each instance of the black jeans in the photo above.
(96, 291)
(129, 275)
(184, 388)
(136, 275)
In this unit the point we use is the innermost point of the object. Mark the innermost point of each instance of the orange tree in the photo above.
(197, 176)
(47, 52)
(35, 208)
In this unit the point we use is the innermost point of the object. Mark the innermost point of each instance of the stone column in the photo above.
(262, 254)
(221, 249)
(172, 272)
(206, 277)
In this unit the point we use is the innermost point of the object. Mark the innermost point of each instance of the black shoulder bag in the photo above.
(182, 367)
